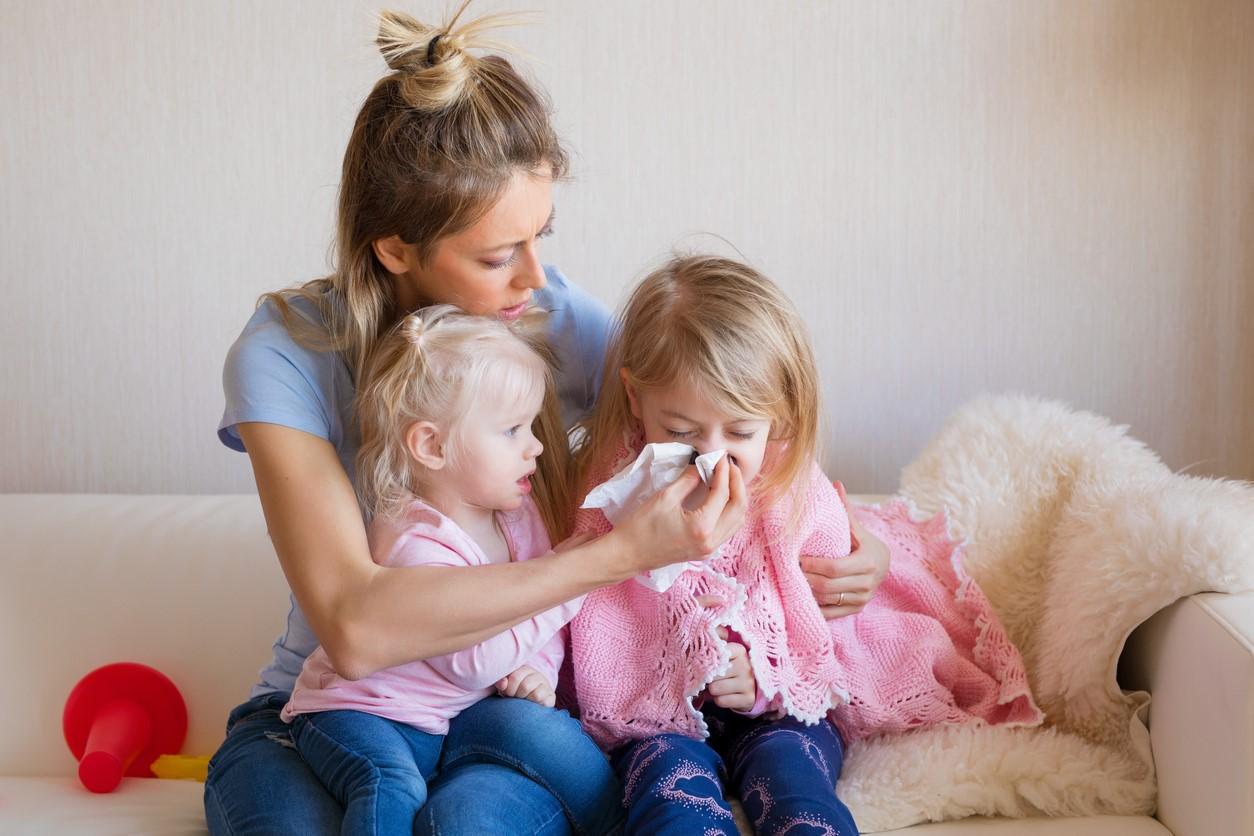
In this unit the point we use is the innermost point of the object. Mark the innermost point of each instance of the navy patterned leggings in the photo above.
(783, 771)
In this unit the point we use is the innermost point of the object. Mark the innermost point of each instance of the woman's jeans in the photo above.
(508, 766)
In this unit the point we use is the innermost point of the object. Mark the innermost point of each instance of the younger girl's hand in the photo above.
(737, 689)
(663, 532)
(845, 586)
(527, 683)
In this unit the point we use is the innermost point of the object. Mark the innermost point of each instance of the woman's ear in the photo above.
(395, 255)
(633, 399)
(425, 444)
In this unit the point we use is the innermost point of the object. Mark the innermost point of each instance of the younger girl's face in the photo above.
(496, 454)
(680, 413)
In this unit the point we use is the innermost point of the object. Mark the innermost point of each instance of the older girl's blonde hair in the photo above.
(434, 146)
(436, 365)
(725, 329)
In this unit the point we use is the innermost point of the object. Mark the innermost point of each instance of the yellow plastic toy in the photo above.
(181, 767)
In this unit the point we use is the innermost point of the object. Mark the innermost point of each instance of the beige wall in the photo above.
(1050, 197)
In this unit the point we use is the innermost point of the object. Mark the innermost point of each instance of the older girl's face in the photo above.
(681, 413)
(490, 268)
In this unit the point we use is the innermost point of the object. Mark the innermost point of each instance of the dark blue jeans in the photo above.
(508, 766)
(783, 771)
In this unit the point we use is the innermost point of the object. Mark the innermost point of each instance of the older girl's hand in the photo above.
(844, 586)
(737, 689)
(662, 531)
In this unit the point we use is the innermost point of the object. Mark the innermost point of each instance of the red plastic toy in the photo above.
(118, 719)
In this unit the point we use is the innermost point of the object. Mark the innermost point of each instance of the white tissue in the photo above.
(657, 466)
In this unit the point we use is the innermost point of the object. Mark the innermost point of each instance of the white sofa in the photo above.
(189, 585)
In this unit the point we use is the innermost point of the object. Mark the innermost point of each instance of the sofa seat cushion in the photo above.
(61, 806)
(56, 805)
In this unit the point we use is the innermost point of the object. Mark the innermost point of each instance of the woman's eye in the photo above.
(500, 265)
(545, 233)
(680, 433)
(743, 436)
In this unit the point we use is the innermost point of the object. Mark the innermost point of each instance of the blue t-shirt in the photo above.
(272, 379)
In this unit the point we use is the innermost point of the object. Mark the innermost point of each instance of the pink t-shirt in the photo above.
(429, 693)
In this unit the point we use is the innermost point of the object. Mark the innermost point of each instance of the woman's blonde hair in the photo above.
(435, 365)
(725, 329)
(435, 144)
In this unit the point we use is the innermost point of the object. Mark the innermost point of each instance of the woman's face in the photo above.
(490, 268)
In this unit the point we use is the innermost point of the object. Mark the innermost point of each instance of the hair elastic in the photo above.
(431, 50)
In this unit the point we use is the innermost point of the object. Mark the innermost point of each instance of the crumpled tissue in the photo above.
(657, 466)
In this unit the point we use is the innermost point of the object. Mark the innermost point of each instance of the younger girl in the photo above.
(450, 412)
(726, 678)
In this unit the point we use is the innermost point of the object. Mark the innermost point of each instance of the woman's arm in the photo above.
(370, 617)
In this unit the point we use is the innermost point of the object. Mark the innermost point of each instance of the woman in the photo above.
(445, 194)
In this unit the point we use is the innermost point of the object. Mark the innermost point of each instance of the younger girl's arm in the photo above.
(491, 660)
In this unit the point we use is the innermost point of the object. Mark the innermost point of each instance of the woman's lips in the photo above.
(512, 313)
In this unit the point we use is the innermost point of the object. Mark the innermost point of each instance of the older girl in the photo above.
(727, 677)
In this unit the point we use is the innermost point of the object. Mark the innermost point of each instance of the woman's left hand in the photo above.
(844, 586)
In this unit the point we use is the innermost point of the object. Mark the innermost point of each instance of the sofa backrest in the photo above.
(187, 584)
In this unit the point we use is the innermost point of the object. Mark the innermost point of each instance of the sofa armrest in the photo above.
(1196, 658)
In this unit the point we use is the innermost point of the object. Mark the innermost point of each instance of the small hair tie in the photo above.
(431, 50)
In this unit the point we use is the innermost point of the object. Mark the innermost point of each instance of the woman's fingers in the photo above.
(841, 586)
(723, 511)
(687, 482)
(828, 576)
(733, 516)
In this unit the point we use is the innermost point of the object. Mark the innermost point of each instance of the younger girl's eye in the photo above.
(680, 433)
(513, 431)
(743, 436)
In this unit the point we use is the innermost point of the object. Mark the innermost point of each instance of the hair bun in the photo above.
(435, 66)
(404, 41)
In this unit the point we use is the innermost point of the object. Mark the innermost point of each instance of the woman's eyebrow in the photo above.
(547, 224)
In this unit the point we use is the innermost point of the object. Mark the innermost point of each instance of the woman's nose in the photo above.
(530, 273)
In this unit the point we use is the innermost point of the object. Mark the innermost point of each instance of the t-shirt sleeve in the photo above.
(269, 378)
(579, 327)
(592, 332)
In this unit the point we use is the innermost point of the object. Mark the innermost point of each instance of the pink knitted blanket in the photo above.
(928, 649)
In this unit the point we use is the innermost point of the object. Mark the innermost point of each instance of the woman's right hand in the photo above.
(662, 531)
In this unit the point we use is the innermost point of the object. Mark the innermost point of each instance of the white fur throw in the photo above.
(1077, 533)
